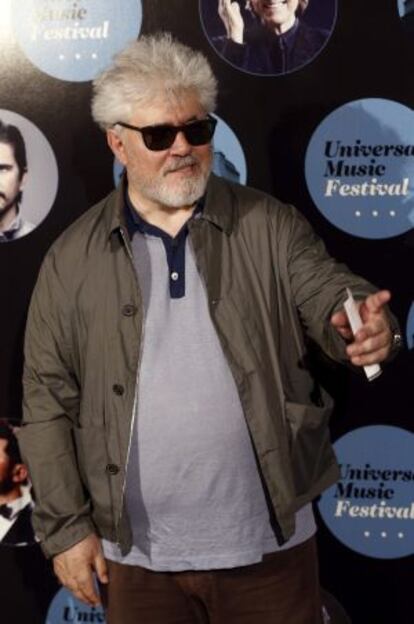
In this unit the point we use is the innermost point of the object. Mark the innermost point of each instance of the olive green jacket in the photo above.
(269, 280)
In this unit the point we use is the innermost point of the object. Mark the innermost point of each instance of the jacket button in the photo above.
(129, 309)
(118, 389)
(112, 469)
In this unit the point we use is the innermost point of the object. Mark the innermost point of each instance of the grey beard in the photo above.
(184, 194)
(188, 193)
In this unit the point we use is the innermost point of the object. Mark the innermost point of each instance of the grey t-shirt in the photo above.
(194, 493)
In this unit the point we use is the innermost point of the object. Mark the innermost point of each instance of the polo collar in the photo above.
(135, 222)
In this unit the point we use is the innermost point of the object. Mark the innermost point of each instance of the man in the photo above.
(174, 434)
(15, 500)
(13, 170)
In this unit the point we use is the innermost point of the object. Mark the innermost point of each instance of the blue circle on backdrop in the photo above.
(360, 168)
(66, 608)
(229, 161)
(410, 328)
(74, 40)
(371, 508)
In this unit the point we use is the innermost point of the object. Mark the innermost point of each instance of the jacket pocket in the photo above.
(92, 458)
(310, 448)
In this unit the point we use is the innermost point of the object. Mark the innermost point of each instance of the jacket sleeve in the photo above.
(317, 282)
(61, 516)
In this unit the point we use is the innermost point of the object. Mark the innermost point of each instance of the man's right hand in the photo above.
(232, 19)
(76, 566)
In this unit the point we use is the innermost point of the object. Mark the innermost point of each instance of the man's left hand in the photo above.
(372, 343)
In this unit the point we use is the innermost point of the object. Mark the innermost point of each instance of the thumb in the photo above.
(339, 319)
(101, 569)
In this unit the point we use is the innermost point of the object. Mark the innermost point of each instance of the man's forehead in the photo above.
(177, 109)
(6, 152)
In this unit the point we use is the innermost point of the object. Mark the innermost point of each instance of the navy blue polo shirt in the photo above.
(174, 245)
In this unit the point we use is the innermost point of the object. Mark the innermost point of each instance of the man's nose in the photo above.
(181, 145)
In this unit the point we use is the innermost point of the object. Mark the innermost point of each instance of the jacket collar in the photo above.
(218, 209)
(114, 208)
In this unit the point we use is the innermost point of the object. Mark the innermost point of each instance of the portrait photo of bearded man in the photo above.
(13, 172)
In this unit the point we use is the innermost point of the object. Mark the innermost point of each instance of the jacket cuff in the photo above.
(66, 538)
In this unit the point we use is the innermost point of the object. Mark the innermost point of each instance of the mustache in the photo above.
(179, 162)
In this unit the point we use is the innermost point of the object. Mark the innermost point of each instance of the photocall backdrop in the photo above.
(331, 131)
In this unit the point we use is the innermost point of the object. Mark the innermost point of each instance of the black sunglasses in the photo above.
(157, 138)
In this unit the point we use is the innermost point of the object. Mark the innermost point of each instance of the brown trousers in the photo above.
(282, 589)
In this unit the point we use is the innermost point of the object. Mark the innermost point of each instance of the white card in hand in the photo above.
(372, 370)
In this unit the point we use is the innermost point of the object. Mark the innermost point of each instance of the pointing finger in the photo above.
(374, 303)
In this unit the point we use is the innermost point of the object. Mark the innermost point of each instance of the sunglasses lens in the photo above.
(200, 132)
(158, 138)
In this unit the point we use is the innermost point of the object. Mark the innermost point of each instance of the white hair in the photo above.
(155, 66)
